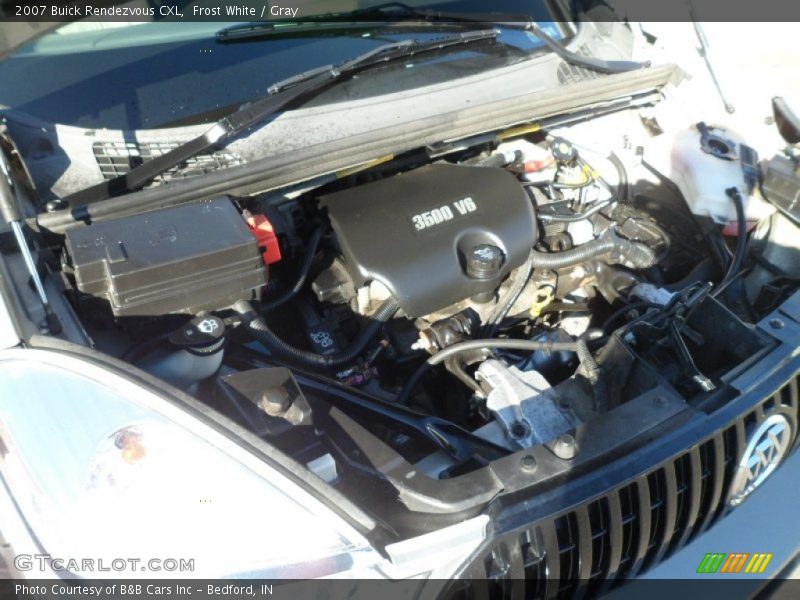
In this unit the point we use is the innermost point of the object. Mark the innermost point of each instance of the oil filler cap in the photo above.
(484, 262)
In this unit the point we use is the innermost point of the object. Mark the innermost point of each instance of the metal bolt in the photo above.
(660, 401)
(528, 462)
(518, 430)
(54, 205)
(566, 447)
(275, 401)
(776, 323)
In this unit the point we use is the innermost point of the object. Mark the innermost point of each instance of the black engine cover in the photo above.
(413, 232)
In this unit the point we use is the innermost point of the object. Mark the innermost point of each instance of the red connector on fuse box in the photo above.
(265, 236)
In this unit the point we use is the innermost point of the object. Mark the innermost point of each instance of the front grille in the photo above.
(628, 530)
(118, 158)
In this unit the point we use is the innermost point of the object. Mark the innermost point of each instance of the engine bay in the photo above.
(447, 310)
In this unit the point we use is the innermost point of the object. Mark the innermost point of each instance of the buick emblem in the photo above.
(766, 448)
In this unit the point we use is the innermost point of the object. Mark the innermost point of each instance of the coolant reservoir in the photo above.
(706, 161)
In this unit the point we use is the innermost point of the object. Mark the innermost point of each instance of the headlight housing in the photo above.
(101, 467)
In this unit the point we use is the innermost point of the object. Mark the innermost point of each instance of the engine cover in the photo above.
(436, 235)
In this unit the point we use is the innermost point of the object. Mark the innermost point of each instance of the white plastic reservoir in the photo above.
(703, 175)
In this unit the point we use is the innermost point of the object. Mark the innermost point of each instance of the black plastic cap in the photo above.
(484, 262)
(563, 151)
(201, 332)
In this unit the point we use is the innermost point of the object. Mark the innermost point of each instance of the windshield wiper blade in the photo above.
(507, 21)
(388, 14)
(399, 12)
(256, 30)
(387, 53)
(282, 95)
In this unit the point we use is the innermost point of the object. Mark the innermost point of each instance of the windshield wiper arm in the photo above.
(400, 12)
(256, 30)
(600, 65)
(387, 14)
(288, 92)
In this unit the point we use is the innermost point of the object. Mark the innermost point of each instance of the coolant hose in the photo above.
(741, 241)
(618, 250)
(258, 328)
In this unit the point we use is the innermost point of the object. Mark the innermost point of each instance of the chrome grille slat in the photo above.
(585, 544)
(516, 573)
(693, 496)
(791, 394)
(790, 398)
(533, 560)
(615, 535)
(552, 558)
(670, 511)
(731, 449)
(599, 530)
(567, 535)
(643, 494)
(717, 478)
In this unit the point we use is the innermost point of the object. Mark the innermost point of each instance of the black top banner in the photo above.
(26, 11)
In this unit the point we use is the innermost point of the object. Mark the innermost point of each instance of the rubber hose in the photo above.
(741, 240)
(706, 270)
(622, 174)
(412, 383)
(613, 317)
(587, 361)
(514, 293)
(258, 328)
(305, 268)
(577, 217)
(619, 251)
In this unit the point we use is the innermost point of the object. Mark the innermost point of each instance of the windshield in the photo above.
(165, 73)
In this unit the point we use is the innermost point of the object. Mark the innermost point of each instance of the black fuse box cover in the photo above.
(415, 231)
(183, 259)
